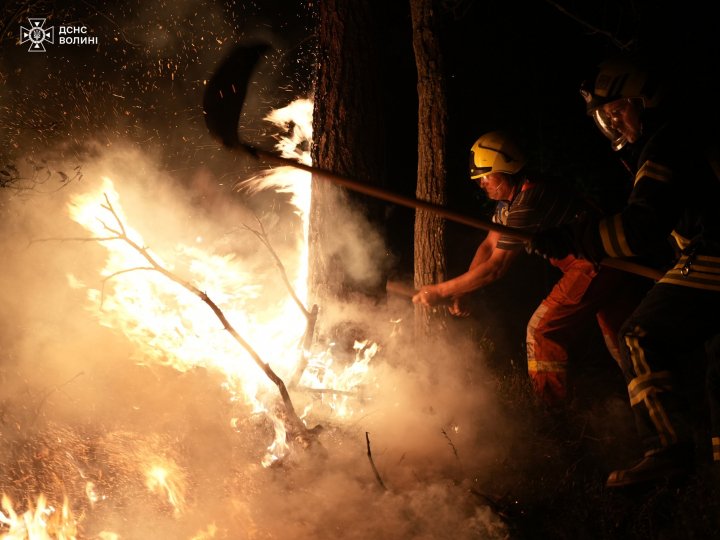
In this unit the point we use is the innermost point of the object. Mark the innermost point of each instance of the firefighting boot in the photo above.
(668, 464)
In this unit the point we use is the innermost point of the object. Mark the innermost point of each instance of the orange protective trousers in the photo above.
(584, 294)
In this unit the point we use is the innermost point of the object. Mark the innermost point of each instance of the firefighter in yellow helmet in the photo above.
(676, 194)
(581, 296)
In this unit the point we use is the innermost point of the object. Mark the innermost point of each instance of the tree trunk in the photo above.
(349, 138)
(431, 175)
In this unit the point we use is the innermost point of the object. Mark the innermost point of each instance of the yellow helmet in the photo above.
(495, 152)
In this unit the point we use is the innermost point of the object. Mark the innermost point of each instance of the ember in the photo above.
(127, 408)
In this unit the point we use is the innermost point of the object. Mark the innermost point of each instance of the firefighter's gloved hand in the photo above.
(555, 243)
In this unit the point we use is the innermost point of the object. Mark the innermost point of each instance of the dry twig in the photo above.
(51, 392)
(372, 463)
(452, 445)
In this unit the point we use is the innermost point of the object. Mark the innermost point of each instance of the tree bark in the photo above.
(349, 138)
(429, 259)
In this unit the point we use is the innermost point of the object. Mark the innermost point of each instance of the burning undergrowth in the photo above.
(125, 399)
(127, 408)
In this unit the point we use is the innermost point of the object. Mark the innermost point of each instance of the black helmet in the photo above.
(619, 79)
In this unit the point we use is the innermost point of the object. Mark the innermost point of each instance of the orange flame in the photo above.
(209, 532)
(296, 120)
(41, 522)
(169, 325)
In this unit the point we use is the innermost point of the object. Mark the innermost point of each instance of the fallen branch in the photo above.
(327, 391)
(505, 509)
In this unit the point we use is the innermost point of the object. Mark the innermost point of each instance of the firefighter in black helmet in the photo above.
(581, 297)
(676, 194)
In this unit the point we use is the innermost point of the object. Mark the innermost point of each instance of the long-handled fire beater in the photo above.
(223, 102)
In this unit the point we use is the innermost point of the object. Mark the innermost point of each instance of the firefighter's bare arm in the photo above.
(485, 249)
(479, 275)
(458, 306)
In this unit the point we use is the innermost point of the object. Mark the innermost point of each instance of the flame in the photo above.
(321, 375)
(92, 494)
(279, 446)
(39, 522)
(209, 532)
(169, 325)
(296, 120)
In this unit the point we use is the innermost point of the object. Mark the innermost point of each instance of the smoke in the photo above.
(90, 414)
(74, 392)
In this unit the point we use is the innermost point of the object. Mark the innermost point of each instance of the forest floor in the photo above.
(560, 492)
(536, 473)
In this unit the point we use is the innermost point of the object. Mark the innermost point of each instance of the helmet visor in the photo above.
(604, 121)
(476, 173)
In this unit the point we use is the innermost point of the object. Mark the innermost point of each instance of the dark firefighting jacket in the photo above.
(539, 205)
(676, 192)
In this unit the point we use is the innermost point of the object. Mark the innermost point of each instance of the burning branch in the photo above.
(263, 237)
(118, 232)
(310, 316)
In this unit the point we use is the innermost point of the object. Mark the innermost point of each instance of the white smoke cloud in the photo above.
(72, 390)
(80, 415)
